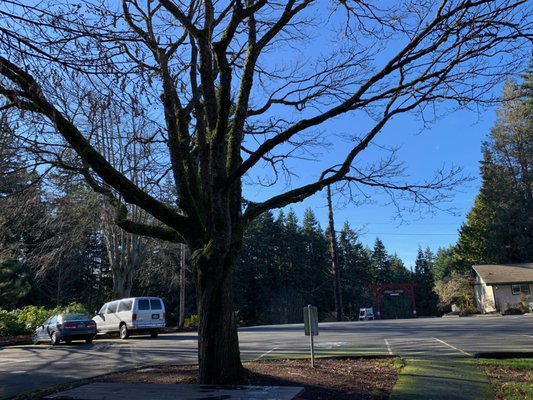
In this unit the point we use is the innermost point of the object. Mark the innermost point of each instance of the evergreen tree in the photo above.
(400, 274)
(426, 299)
(21, 211)
(21, 204)
(69, 261)
(317, 285)
(16, 284)
(499, 228)
(381, 265)
(292, 262)
(356, 276)
(444, 263)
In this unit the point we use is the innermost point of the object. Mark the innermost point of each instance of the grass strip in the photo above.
(441, 378)
(512, 379)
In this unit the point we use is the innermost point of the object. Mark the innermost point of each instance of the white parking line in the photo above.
(529, 336)
(413, 347)
(330, 345)
(13, 360)
(267, 353)
(408, 340)
(388, 347)
(453, 347)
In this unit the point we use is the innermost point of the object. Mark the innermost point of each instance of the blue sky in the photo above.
(454, 140)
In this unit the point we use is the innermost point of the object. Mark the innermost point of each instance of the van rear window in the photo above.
(144, 304)
(156, 304)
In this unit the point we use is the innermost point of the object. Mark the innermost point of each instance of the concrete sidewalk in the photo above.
(149, 391)
(441, 378)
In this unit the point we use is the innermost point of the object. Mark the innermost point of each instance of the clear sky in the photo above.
(454, 140)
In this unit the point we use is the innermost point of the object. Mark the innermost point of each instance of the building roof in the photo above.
(505, 273)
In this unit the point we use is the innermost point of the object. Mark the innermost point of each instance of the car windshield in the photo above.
(74, 317)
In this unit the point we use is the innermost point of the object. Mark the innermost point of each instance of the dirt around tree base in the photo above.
(331, 379)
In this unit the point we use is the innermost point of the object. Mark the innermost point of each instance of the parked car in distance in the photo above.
(131, 315)
(66, 327)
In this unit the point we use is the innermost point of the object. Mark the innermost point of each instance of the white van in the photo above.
(134, 314)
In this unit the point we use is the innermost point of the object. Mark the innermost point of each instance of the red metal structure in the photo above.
(393, 289)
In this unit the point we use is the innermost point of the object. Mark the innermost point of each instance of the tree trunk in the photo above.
(122, 283)
(334, 260)
(183, 256)
(218, 343)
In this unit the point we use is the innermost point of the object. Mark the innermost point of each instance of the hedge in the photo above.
(23, 321)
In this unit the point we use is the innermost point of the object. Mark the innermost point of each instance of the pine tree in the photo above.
(15, 284)
(68, 258)
(381, 264)
(356, 274)
(426, 299)
(21, 210)
(317, 284)
(499, 228)
(258, 280)
(444, 263)
(400, 274)
(21, 205)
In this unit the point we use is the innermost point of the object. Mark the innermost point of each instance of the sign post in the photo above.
(311, 328)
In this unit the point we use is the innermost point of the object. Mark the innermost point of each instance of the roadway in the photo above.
(25, 368)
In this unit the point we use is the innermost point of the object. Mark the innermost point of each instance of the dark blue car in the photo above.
(65, 327)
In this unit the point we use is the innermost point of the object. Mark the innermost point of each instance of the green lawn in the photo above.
(511, 379)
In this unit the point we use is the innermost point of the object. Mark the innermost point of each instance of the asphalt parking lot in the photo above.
(24, 368)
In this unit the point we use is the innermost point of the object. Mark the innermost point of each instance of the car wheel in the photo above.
(154, 333)
(35, 339)
(68, 341)
(54, 339)
(89, 340)
(124, 334)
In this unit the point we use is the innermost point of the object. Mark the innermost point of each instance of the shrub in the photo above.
(74, 308)
(10, 325)
(191, 322)
(32, 316)
(513, 310)
(456, 289)
(25, 320)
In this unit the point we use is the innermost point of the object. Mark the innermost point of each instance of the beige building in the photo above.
(504, 286)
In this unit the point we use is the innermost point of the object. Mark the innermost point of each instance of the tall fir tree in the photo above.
(400, 274)
(381, 265)
(356, 274)
(444, 263)
(257, 282)
(318, 284)
(499, 228)
(426, 299)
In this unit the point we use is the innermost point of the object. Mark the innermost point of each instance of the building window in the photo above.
(522, 288)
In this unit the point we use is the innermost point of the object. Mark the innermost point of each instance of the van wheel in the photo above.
(54, 339)
(124, 334)
(154, 333)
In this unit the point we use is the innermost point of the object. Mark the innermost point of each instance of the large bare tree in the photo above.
(236, 87)
(117, 132)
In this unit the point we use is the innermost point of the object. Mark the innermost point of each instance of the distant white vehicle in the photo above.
(131, 315)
